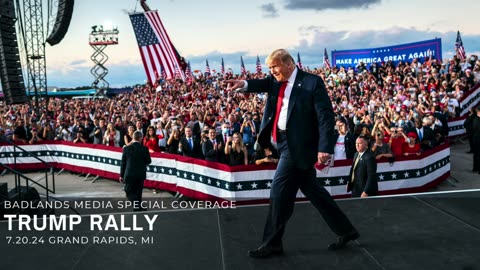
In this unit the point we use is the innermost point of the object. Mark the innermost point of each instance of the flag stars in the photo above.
(170, 171)
(269, 184)
(185, 175)
(200, 179)
(254, 185)
(218, 183)
(193, 176)
(162, 170)
(381, 177)
(341, 181)
(227, 186)
(327, 182)
(239, 186)
(394, 176)
(418, 173)
(209, 181)
(406, 174)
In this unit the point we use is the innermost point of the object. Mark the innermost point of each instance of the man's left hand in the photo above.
(364, 195)
(323, 157)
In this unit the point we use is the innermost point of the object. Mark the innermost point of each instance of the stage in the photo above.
(421, 231)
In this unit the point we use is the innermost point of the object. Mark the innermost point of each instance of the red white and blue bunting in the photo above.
(202, 179)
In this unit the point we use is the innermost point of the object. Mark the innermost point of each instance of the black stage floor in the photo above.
(433, 231)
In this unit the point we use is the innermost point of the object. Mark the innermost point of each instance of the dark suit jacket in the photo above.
(310, 118)
(209, 153)
(135, 159)
(186, 151)
(365, 175)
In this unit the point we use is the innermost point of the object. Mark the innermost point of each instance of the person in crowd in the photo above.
(211, 148)
(236, 151)
(162, 135)
(20, 134)
(174, 142)
(46, 132)
(35, 137)
(151, 140)
(128, 137)
(411, 146)
(111, 136)
(81, 136)
(363, 173)
(266, 155)
(188, 146)
(380, 149)
(133, 169)
(99, 130)
(247, 130)
(397, 138)
(345, 142)
(303, 138)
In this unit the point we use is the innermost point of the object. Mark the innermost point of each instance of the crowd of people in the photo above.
(401, 109)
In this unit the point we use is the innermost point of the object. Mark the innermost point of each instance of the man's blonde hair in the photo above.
(282, 55)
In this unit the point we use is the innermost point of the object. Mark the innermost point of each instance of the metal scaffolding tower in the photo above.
(99, 40)
(33, 34)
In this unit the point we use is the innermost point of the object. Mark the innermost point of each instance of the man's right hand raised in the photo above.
(234, 84)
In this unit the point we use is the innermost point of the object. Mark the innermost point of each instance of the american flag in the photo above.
(164, 74)
(459, 47)
(259, 66)
(156, 49)
(188, 71)
(243, 71)
(222, 68)
(177, 73)
(207, 68)
(326, 62)
(299, 61)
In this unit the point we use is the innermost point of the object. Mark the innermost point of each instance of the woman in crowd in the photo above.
(173, 141)
(162, 136)
(381, 149)
(127, 138)
(47, 132)
(265, 155)
(151, 140)
(111, 136)
(410, 146)
(235, 150)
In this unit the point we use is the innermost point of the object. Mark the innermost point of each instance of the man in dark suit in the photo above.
(363, 174)
(299, 120)
(189, 146)
(133, 169)
(212, 149)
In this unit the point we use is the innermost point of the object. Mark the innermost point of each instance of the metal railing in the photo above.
(19, 176)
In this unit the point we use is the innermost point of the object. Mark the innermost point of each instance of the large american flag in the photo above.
(326, 62)
(243, 71)
(259, 66)
(156, 49)
(459, 47)
(299, 61)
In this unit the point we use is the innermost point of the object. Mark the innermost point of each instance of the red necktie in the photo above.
(281, 94)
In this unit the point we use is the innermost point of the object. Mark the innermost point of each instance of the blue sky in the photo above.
(211, 29)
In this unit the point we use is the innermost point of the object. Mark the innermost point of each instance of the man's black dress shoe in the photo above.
(265, 251)
(343, 240)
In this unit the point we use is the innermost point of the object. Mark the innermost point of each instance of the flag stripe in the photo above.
(164, 41)
(156, 49)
